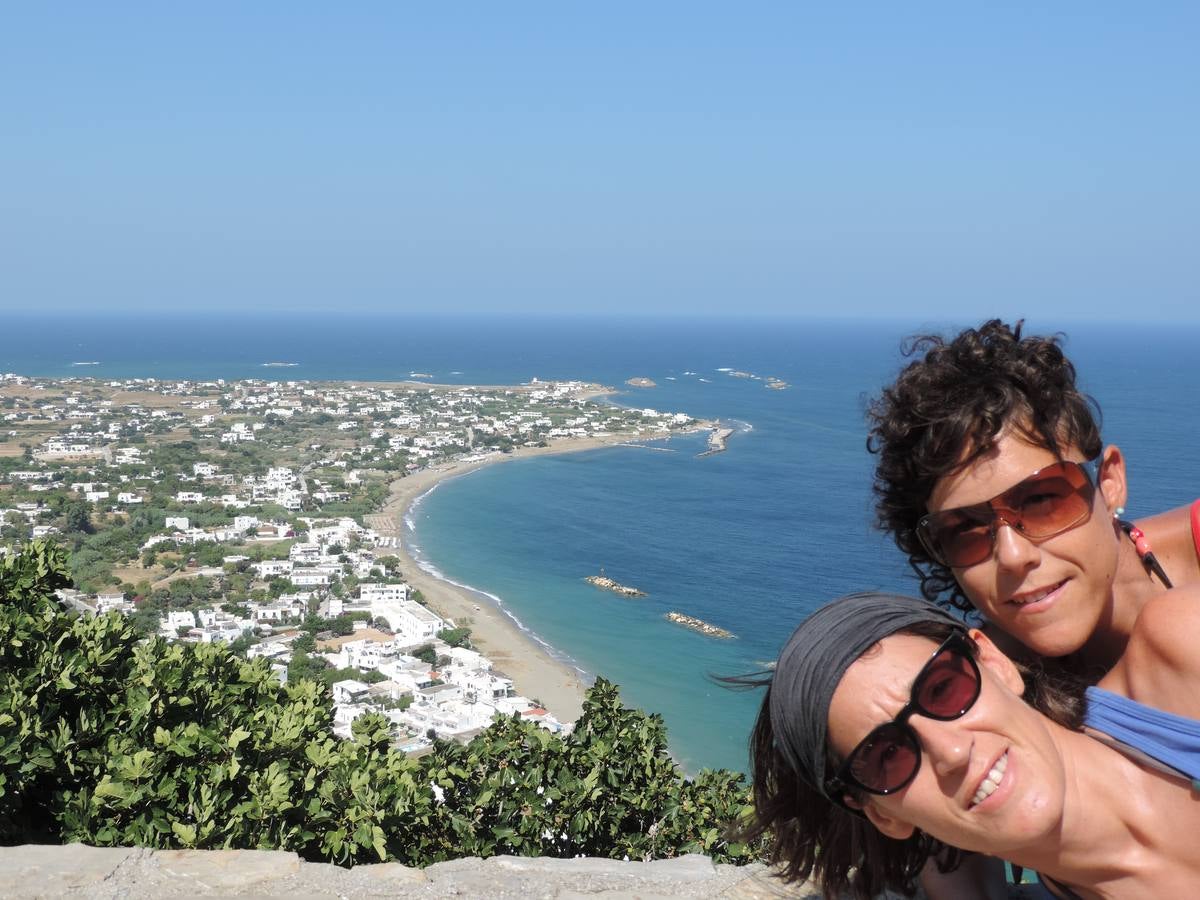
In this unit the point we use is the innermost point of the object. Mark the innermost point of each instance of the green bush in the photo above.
(111, 740)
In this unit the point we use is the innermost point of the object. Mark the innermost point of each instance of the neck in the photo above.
(1104, 824)
(1132, 587)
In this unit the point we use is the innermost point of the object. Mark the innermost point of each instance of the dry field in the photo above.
(371, 634)
(136, 572)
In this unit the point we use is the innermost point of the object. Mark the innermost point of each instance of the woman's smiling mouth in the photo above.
(1029, 598)
(991, 781)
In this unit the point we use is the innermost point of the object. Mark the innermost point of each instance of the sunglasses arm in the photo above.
(835, 790)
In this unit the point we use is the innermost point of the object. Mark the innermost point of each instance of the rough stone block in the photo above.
(692, 867)
(40, 869)
(228, 869)
(549, 864)
(389, 872)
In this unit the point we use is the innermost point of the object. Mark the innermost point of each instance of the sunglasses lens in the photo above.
(961, 537)
(886, 759)
(1047, 503)
(1061, 496)
(948, 686)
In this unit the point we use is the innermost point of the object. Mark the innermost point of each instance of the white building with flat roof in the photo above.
(270, 568)
(170, 624)
(409, 620)
(370, 592)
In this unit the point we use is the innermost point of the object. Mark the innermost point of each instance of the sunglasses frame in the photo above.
(1090, 470)
(959, 644)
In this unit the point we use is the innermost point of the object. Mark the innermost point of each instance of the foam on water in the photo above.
(423, 563)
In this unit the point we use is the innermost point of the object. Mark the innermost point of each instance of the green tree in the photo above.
(305, 666)
(305, 643)
(76, 516)
(426, 653)
(456, 637)
(111, 740)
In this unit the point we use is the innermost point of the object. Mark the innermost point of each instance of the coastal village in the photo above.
(249, 513)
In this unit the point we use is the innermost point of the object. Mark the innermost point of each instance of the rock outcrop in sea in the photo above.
(698, 625)
(603, 582)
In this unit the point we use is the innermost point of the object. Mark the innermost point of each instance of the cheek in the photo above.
(978, 583)
(1099, 552)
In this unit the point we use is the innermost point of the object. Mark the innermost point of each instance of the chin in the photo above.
(1055, 642)
(1055, 649)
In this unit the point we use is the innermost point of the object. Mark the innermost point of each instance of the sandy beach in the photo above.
(534, 672)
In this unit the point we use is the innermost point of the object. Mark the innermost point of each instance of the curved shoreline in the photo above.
(412, 551)
(535, 670)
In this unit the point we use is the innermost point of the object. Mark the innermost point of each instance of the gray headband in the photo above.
(815, 658)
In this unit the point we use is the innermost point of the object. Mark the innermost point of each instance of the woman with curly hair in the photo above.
(993, 479)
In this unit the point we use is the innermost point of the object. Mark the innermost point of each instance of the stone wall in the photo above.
(80, 871)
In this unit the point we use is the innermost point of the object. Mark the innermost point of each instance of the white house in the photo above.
(409, 620)
(174, 620)
(309, 578)
(365, 654)
(350, 691)
(110, 602)
(305, 553)
(272, 568)
(374, 592)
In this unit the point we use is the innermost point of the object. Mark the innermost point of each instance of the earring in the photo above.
(1118, 512)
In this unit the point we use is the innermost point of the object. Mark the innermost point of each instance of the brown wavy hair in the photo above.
(813, 837)
(947, 408)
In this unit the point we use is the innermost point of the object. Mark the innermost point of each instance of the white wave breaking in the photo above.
(553, 652)
(423, 563)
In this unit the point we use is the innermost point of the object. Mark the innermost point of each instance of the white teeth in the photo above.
(1033, 598)
(992, 781)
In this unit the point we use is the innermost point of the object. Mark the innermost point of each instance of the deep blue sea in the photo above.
(750, 539)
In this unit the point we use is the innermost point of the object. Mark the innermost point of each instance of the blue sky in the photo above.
(942, 160)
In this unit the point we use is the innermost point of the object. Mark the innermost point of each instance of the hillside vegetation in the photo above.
(111, 739)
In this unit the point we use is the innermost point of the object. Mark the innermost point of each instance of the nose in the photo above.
(1013, 550)
(947, 746)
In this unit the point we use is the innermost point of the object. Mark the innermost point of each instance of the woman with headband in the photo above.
(891, 733)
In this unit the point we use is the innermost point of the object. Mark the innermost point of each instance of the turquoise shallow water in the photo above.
(750, 539)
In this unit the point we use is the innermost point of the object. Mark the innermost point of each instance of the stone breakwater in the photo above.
(607, 584)
(698, 625)
(718, 438)
(101, 873)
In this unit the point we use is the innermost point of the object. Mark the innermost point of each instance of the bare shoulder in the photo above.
(1160, 666)
(1170, 536)
(1169, 624)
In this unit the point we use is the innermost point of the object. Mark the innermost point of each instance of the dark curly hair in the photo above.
(947, 408)
(813, 837)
